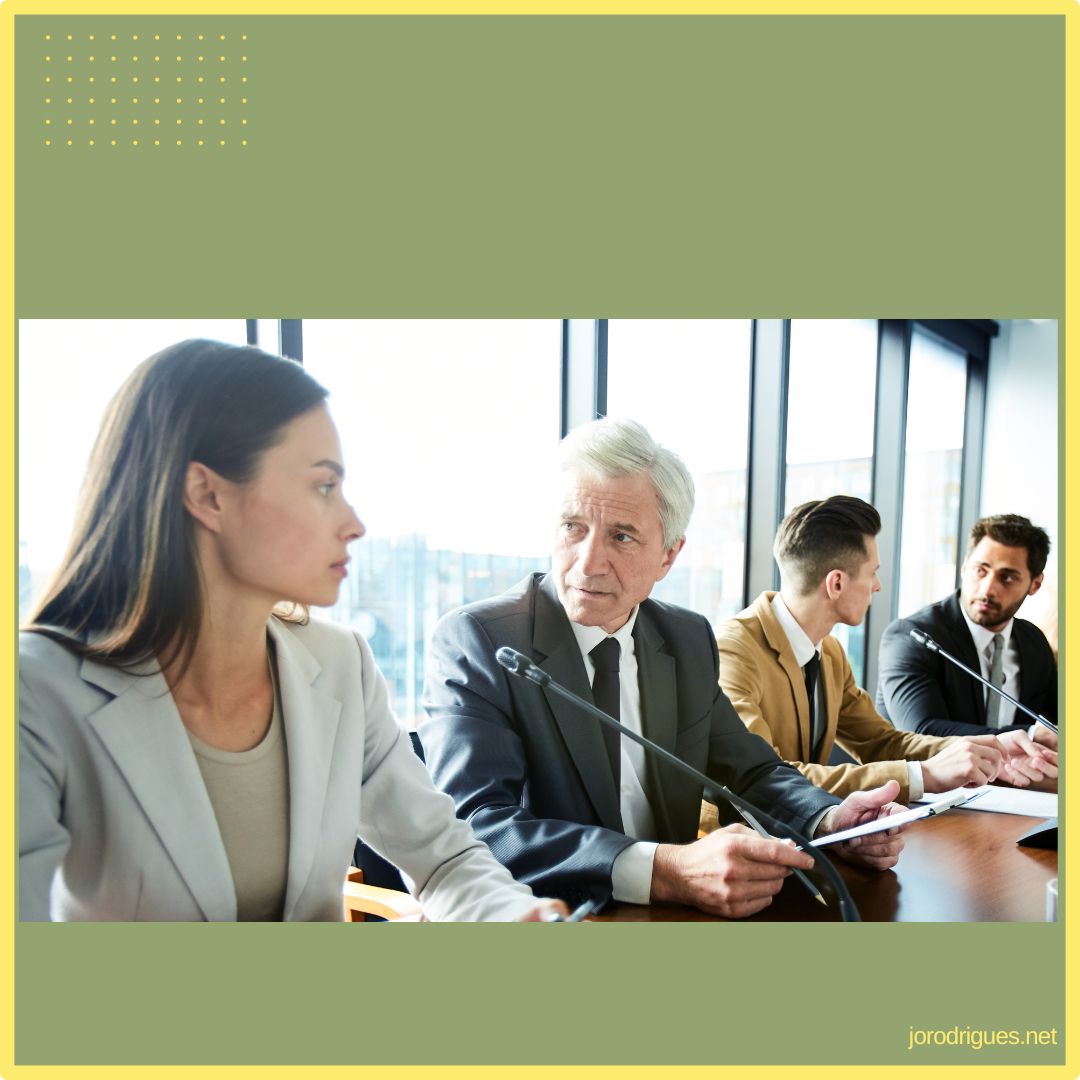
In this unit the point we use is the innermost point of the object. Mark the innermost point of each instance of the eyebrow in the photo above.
(626, 529)
(333, 466)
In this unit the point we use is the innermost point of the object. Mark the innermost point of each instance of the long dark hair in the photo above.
(129, 584)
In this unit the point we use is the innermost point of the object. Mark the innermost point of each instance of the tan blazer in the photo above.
(760, 675)
(115, 822)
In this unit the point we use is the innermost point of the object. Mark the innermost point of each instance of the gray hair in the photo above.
(614, 447)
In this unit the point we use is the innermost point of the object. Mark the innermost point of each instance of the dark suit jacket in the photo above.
(528, 770)
(921, 691)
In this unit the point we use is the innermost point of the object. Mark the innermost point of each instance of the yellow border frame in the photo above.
(11, 8)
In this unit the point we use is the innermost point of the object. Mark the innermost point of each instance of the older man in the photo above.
(567, 810)
(790, 681)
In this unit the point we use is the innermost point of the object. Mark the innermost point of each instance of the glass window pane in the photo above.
(688, 382)
(442, 424)
(832, 386)
(933, 455)
(68, 372)
(832, 376)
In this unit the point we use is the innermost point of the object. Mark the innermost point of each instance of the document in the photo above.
(1009, 800)
(957, 798)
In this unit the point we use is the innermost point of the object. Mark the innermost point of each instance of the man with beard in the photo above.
(921, 691)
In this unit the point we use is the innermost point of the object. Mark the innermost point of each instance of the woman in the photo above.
(190, 747)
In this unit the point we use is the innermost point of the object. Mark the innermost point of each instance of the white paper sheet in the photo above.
(1007, 800)
(940, 804)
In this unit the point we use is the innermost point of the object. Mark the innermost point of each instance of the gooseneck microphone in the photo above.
(1041, 836)
(927, 641)
(518, 664)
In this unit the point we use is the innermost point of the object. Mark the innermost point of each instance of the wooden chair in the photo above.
(363, 900)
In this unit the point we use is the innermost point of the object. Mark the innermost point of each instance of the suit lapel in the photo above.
(659, 711)
(145, 737)
(1032, 660)
(962, 646)
(558, 654)
(311, 723)
(778, 642)
(831, 688)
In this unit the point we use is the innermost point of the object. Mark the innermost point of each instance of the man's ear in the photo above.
(669, 558)
(1036, 584)
(202, 495)
(834, 583)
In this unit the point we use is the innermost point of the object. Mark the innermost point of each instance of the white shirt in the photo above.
(631, 873)
(804, 648)
(1010, 656)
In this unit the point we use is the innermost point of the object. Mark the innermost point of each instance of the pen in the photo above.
(957, 800)
(811, 888)
(579, 913)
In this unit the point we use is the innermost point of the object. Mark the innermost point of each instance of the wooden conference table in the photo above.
(961, 867)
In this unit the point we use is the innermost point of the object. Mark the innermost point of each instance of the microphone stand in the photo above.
(1041, 836)
(934, 647)
(518, 664)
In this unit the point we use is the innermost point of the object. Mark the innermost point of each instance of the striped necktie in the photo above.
(996, 657)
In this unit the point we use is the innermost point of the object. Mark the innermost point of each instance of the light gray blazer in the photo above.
(115, 822)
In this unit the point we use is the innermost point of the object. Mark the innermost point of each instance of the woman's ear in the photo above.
(202, 495)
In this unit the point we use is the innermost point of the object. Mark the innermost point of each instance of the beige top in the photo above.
(249, 791)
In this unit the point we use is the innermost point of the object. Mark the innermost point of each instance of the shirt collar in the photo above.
(984, 638)
(588, 637)
(801, 645)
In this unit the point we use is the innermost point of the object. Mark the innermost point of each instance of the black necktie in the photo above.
(810, 673)
(605, 689)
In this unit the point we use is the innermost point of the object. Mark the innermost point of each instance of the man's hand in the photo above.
(731, 872)
(879, 851)
(973, 761)
(1025, 762)
(1041, 734)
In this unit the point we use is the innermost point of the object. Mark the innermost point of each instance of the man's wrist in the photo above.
(825, 825)
(665, 874)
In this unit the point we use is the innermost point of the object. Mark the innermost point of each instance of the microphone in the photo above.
(1041, 836)
(518, 664)
(934, 647)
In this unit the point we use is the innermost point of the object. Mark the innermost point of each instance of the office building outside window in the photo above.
(933, 456)
(688, 382)
(447, 428)
(832, 385)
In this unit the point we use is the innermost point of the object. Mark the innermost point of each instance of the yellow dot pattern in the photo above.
(212, 73)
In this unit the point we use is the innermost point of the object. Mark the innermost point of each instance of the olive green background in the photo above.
(551, 166)
(559, 166)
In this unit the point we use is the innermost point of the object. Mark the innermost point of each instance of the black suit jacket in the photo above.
(528, 770)
(921, 691)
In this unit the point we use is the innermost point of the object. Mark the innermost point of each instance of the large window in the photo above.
(832, 376)
(446, 427)
(68, 372)
(933, 455)
(832, 370)
(688, 382)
